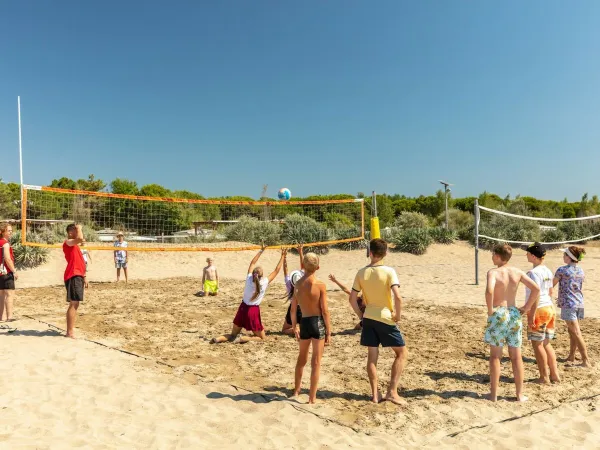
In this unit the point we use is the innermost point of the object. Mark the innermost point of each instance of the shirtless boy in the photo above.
(504, 324)
(210, 278)
(315, 327)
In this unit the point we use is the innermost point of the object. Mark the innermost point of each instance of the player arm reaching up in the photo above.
(279, 265)
(341, 286)
(78, 239)
(255, 259)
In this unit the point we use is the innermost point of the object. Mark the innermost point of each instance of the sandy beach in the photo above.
(181, 392)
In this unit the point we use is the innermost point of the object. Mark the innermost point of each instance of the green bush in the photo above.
(28, 257)
(415, 240)
(507, 228)
(574, 230)
(337, 220)
(347, 233)
(552, 236)
(254, 231)
(457, 219)
(299, 229)
(442, 235)
(409, 220)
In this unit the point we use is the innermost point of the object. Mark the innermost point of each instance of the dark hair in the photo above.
(378, 248)
(71, 227)
(504, 251)
(578, 252)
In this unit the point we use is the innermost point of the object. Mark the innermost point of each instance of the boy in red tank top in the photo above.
(74, 274)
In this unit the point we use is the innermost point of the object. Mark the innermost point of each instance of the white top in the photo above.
(85, 255)
(543, 278)
(250, 288)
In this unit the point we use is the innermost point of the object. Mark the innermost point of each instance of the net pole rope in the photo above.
(476, 242)
(538, 219)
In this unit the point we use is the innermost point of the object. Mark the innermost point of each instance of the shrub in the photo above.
(299, 229)
(337, 220)
(347, 233)
(254, 231)
(507, 228)
(27, 257)
(409, 220)
(457, 219)
(442, 235)
(555, 235)
(574, 230)
(415, 240)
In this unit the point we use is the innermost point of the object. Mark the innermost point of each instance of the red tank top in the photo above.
(12, 255)
(75, 261)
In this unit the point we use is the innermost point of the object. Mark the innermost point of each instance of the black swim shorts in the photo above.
(75, 289)
(7, 282)
(375, 333)
(288, 316)
(312, 327)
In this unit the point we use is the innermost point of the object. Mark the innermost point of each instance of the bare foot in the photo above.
(72, 336)
(312, 401)
(522, 398)
(542, 381)
(294, 394)
(490, 398)
(377, 398)
(555, 379)
(587, 364)
(395, 399)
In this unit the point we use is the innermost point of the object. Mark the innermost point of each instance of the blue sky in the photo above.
(220, 97)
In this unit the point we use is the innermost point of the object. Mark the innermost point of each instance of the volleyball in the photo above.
(284, 194)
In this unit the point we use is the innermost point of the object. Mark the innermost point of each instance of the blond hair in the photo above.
(3, 227)
(257, 274)
(310, 262)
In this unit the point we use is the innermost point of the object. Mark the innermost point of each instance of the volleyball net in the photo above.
(493, 226)
(188, 224)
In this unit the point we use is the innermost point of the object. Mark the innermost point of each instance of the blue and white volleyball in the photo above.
(284, 194)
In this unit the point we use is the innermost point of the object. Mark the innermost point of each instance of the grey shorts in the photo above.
(120, 265)
(571, 313)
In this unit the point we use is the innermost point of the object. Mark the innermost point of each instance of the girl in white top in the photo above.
(248, 314)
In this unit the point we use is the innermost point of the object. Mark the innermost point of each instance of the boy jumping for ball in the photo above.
(504, 324)
(315, 328)
(210, 278)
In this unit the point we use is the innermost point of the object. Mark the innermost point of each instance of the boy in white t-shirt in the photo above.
(541, 319)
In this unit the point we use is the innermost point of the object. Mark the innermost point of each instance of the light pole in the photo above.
(446, 191)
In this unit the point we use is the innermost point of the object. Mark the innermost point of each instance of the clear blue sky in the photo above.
(220, 97)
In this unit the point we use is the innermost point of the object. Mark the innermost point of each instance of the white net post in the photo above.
(476, 242)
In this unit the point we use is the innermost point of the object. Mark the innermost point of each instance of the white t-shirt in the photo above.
(543, 278)
(250, 288)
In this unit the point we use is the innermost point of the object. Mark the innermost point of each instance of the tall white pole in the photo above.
(20, 147)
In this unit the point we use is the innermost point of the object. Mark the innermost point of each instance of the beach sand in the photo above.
(182, 392)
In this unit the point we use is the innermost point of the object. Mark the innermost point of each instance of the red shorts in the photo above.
(248, 317)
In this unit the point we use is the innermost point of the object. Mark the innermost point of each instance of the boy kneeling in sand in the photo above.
(315, 327)
(504, 323)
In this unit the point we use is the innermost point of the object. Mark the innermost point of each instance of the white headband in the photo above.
(570, 255)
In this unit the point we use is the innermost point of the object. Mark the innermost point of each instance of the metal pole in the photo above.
(374, 205)
(476, 242)
(446, 192)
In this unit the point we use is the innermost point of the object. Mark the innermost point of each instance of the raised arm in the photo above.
(255, 260)
(285, 267)
(301, 254)
(535, 293)
(325, 312)
(279, 264)
(489, 292)
(78, 239)
(340, 285)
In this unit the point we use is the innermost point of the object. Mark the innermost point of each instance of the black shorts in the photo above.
(75, 289)
(7, 282)
(375, 333)
(312, 327)
(288, 316)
